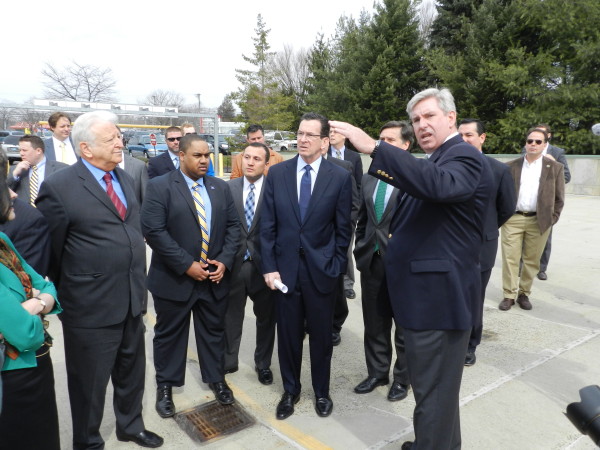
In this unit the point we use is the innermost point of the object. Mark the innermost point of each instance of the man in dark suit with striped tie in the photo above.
(190, 222)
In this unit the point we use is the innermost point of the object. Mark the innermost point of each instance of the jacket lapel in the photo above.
(181, 186)
(321, 183)
(292, 187)
(94, 188)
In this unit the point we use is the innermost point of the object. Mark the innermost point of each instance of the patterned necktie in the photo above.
(34, 185)
(201, 220)
(304, 192)
(338, 154)
(63, 152)
(113, 196)
(249, 212)
(379, 204)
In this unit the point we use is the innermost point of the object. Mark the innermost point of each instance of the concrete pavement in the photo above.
(530, 365)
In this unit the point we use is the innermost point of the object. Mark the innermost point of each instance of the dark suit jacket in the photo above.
(551, 191)
(501, 208)
(432, 260)
(250, 238)
(30, 234)
(368, 230)
(355, 193)
(137, 170)
(98, 259)
(49, 150)
(323, 236)
(159, 165)
(354, 158)
(170, 225)
(21, 186)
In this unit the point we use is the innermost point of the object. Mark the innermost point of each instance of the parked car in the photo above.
(140, 145)
(11, 146)
(223, 144)
(281, 141)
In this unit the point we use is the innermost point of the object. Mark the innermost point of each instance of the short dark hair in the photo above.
(538, 130)
(478, 123)
(260, 145)
(407, 133)
(324, 122)
(173, 130)
(545, 126)
(254, 128)
(187, 140)
(55, 117)
(5, 202)
(35, 141)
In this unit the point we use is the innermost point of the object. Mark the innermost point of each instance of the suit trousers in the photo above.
(435, 365)
(378, 317)
(477, 329)
(305, 303)
(249, 283)
(30, 417)
(349, 277)
(93, 357)
(340, 312)
(171, 334)
(545, 259)
(521, 240)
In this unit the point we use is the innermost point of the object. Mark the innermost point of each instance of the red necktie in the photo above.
(113, 196)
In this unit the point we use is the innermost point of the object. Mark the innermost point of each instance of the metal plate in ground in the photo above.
(213, 420)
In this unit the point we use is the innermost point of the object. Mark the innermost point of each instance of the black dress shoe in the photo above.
(232, 370)
(285, 407)
(397, 392)
(349, 293)
(407, 445)
(164, 402)
(323, 406)
(368, 384)
(222, 393)
(265, 376)
(542, 276)
(336, 339)
(470, 358)
(143, 439)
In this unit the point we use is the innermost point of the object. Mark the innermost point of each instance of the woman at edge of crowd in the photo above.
(28, 414)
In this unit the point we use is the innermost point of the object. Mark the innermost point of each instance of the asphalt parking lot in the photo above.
(530, 365)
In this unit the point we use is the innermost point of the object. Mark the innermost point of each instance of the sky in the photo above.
(188, 46)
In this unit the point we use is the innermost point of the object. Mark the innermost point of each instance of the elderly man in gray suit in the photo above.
(378, 203)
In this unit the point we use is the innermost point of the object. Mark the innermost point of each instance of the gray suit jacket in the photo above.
(21, 186)
(368, 230)
(138, 171)
(551, 191)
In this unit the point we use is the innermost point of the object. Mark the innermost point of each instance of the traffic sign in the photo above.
(153, 140)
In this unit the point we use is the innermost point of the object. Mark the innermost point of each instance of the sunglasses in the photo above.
(174, 139)
(537, 141)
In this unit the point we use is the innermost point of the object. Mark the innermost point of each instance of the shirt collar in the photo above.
(314, 165)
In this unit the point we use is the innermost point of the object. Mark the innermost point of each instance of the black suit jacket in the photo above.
(98, 259)
(432, 260)
(501, 208)
(30, 234)
(355, 192)
(21, 186)
(137, 170)
(170, 225)
(159, 165)
(323, 236)
(369, 231)
(354, 158)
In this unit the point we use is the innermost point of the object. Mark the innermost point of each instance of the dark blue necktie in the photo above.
(304, 192)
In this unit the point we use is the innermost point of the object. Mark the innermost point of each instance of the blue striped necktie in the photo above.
(249, 212)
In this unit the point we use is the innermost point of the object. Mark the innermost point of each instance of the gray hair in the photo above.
(443, 96)
(82, 128)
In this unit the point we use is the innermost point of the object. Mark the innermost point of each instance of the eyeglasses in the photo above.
(174, 139)
(537, 141)
(309, 136)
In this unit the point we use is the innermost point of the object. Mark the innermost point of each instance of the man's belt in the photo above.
(526, 214)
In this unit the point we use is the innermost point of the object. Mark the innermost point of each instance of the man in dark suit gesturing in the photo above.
(432, 260)
(98, 262)
(246, 275)
(189, 221)
(305, 233)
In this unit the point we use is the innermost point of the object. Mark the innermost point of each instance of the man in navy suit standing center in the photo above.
(432, 260)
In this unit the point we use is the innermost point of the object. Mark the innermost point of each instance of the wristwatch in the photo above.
(377, 144)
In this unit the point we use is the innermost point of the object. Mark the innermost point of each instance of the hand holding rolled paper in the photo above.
(282, 287)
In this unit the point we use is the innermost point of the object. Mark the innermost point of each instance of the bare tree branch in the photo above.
(79, 82)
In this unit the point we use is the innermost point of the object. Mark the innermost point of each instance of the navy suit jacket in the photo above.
(501, 208)
(49, 150)
(354, 158)
(170, 225)
(323, 236)
(432, 259)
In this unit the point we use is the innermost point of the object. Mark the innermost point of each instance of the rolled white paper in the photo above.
(282, 287)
